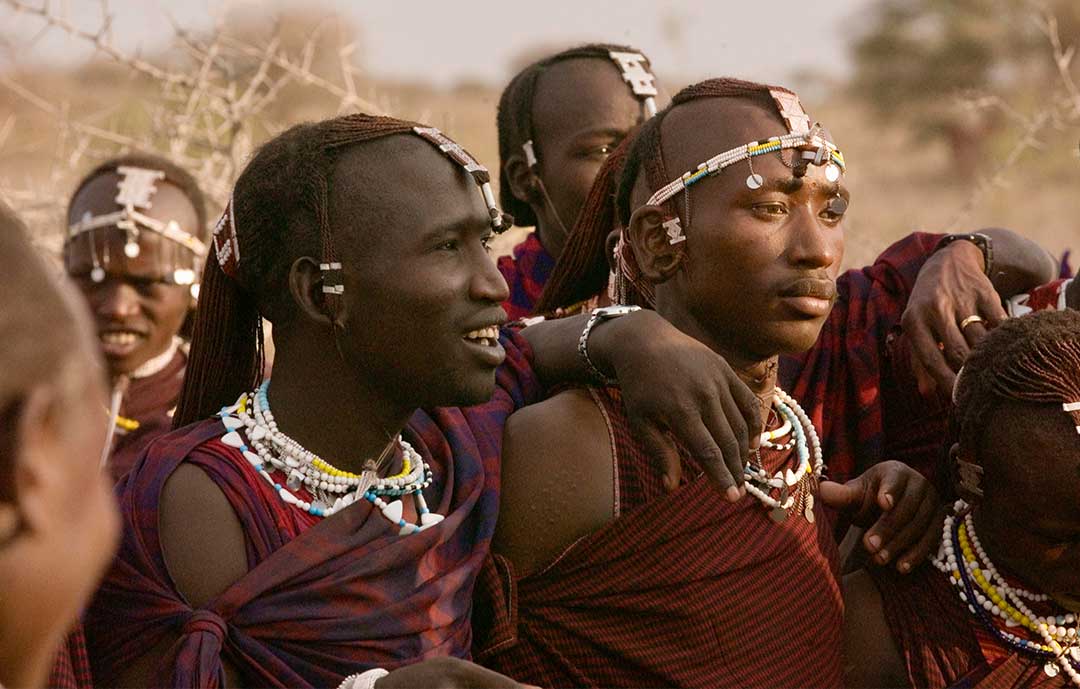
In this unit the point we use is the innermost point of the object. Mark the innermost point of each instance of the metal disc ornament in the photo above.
(97, 274)
(778, 514)
(832, 172)
(131, 249)
(755, 181)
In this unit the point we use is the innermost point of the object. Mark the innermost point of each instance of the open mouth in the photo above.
(488, 337)
(119, 343)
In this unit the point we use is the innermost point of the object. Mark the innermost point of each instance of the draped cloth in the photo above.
(150, 401)
(323, 598)
(943, 645)
(71, 666)
(680, 590)
(856, 382)
(526, 273)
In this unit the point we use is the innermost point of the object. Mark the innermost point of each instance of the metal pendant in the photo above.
(1051, 669)
(809, 511)
(755, 181)
(778, 514)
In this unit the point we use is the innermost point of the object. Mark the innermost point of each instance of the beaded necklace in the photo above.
(1000, 606)
(333, 489)
(796, 488)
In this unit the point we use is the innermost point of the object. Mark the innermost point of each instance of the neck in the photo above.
(551, 238)
(330, 408)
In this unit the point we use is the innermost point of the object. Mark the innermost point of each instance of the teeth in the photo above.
(119, 338)
(484, 334)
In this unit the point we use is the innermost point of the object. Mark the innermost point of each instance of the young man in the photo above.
(742, 252)
(135, 247)
(58, 522)
(333, 535)
(558, 120)
(998, 606)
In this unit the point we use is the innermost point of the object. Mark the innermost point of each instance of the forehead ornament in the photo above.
(1073, 409)
(134, 193)
(636, 74)
(499, 221)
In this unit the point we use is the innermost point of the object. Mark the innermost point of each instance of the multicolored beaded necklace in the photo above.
(333, 489)
(795, 488)
(1001, 606)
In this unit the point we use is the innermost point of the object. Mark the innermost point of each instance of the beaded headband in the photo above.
(642, 82)
(135, 191)
(227, 247)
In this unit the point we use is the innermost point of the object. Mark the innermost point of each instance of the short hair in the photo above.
(174, 174)
(583, 265)
(281, 208)
(515, 116)
(37, 332)
(1034, 358)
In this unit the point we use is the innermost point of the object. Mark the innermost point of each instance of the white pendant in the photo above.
(233, 439)
(832, 172)
(97, 274)
(295, 480)
(252, 458)
(393, 511)
(1075, 653)
(430, 519)
(257, 433)
(790, 477)
(755, 181)
(408, 529)
(1051, 669)
(231, 422)
(1010, 622)
(290, 462)
(348, 499)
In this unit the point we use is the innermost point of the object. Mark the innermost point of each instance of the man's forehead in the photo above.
(583, 93)
(697, 130)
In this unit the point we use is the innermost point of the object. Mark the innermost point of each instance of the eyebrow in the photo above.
(791, 185)
(457, 227)
(612, 132)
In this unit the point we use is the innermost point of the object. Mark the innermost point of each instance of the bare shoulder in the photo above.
(557, 479)
(872, 659)
(202, 539)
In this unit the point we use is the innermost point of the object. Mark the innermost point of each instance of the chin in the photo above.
(462, 391)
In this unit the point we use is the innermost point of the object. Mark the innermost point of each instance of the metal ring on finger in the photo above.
(971, 319)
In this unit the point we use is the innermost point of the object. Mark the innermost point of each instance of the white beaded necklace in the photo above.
(988, 595)
(808, 447)
(333, 489)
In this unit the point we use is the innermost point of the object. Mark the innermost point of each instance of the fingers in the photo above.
(974, 333)
(660, 447)
(840, 496)
(991, 309)
(718, 451)
(925, 348)
(926, 543)
(749, 407)
(909, 530)
(956, 347)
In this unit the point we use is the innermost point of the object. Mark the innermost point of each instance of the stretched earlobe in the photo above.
(521, 178)
(306, 289)
(657, 239)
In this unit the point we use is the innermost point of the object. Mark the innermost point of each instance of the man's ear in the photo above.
(966, 474)
(521, 177)
(306, 289)
(38, 465)
(650, 235)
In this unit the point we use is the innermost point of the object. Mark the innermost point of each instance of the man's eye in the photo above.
(449, 245)
(771, 208)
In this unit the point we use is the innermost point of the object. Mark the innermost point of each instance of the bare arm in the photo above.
(560, 442)
(1019, 263)
(871, 659)
(202, 542)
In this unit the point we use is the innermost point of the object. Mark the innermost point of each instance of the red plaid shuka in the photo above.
(1049, 296)
(943, 645)
(681, 590)
(323, 598)
(526, 273)
(856, 382)
(149, 401)
(71, 668)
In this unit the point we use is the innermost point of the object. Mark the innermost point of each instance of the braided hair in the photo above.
(583, 265)
(1034, 358)
(515, 117)
(174, 174)
(280, 205)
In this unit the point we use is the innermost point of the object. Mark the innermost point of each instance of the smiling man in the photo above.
(559, 118)
(135, 250)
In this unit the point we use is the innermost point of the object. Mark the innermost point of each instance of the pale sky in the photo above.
(445, 42)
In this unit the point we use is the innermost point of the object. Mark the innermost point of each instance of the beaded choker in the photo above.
(1001, 607)
(332, 489)
(794, 488)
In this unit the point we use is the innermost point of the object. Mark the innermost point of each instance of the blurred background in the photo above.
(952, 114)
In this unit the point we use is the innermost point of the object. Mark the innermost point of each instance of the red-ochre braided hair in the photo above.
(514, 120)
(281, 210)
(583, 257)
(1034, 358)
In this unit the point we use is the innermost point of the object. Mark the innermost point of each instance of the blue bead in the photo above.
(277, 486)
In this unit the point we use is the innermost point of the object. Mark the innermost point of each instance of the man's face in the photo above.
(1029, 517)
(758, 275)
(412, 231)
(136, 308)
(582, 109)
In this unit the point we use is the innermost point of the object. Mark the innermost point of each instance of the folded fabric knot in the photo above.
(206, 622)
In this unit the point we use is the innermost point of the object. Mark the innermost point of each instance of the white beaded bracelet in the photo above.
(364, 680)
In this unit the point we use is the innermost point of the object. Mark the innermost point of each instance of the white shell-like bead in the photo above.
(408, 529)
(431, 519)
(257, 433)
(254, 459)
(393, 511)
(231, 422)
(233, 439)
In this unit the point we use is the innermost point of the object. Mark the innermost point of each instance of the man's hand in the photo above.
(445, 673)
(673, 383)
(901, 508)
(950, 287)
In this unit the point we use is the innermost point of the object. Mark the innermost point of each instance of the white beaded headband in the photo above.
(135, 190)
(499, 221)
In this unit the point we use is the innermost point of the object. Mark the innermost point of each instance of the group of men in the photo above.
(664, 443)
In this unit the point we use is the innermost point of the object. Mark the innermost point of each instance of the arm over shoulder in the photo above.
(557, 479)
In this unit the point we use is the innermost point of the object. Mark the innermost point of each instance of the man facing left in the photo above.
(135, 247)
